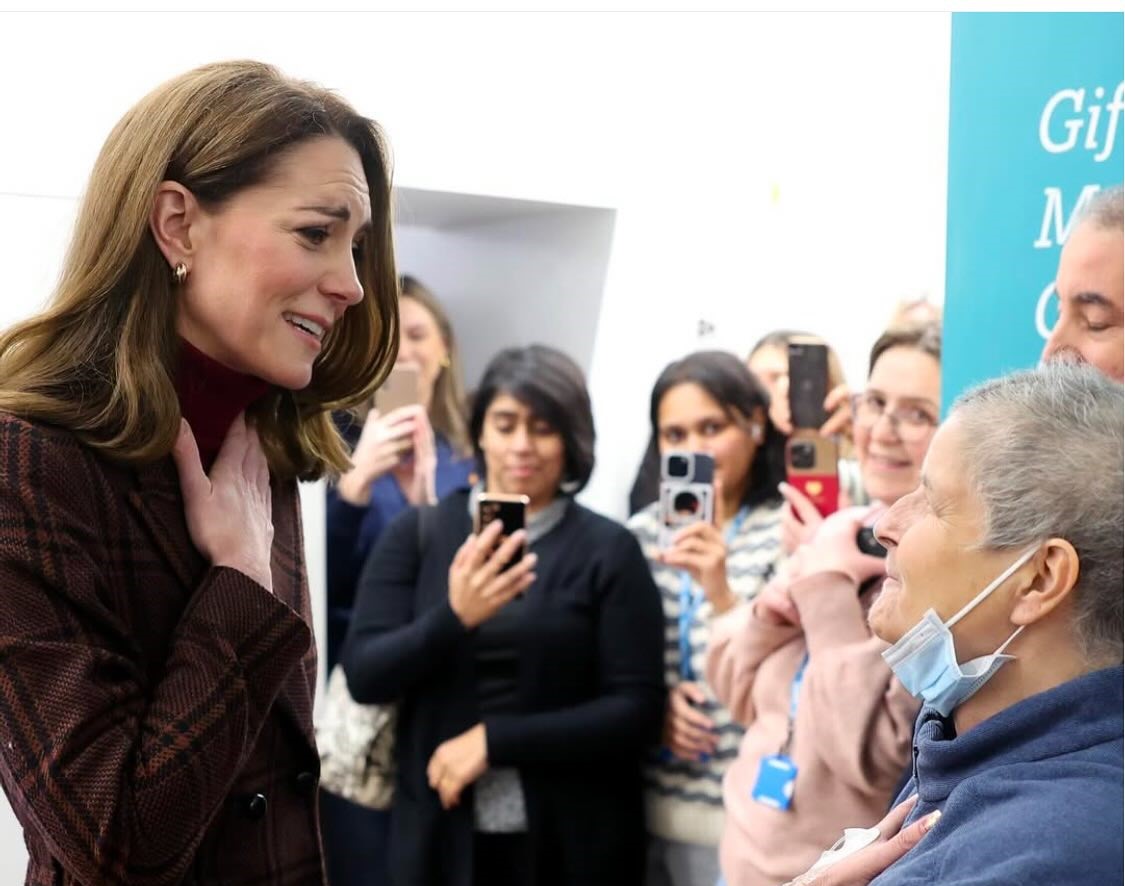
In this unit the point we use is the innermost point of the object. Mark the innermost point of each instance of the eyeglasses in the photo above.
(912, 423)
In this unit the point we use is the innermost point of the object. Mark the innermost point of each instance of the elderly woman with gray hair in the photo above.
(1004, 607)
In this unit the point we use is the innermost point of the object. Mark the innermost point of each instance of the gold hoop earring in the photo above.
(446, 362)
(179, 273)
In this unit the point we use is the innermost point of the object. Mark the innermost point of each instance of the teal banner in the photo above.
(1035, 129)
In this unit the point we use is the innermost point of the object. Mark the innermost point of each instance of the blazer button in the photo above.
(306, 782)
(256, 806)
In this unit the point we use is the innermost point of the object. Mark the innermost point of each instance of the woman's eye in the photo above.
(316, 236)
(673, 436)
(542, 429)
(711, 428)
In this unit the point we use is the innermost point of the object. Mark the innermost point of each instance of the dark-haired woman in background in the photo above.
(410, 456)
(707, 402)
(527, 695)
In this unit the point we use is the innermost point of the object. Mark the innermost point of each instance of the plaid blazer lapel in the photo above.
(159, 502)
(290, 585)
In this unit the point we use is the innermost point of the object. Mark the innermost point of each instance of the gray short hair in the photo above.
(1106, 209)
(1044, 452)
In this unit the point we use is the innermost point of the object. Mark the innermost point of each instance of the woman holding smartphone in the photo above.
(709, 403)
(828, 726)
(405, 456)
(526, 694)
(412, 455)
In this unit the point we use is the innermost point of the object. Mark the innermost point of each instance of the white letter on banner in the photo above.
(1041, 310)
(1054, 211)
(1115, 108)
(1078, 96)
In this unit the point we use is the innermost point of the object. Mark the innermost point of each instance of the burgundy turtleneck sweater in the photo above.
(211, 396)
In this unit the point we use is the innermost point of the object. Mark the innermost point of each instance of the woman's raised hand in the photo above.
(229, 511)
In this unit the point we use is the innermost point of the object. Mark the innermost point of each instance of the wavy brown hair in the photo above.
(100, 359)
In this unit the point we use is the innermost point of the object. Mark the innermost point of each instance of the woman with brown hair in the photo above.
(410, 457)
(413, 455)
(230, 283)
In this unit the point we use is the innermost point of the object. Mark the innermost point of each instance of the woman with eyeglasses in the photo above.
(828, 726)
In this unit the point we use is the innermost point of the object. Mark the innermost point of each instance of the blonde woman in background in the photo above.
(409, 457)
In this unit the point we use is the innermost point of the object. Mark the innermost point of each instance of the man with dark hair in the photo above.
(1089, 286)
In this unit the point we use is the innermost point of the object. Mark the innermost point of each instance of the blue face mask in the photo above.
(925, 660)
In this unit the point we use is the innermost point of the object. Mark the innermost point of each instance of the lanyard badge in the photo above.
(777, 773)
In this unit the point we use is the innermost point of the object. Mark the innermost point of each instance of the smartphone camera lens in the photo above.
(678, 466)
(802, 454)
(686, 503)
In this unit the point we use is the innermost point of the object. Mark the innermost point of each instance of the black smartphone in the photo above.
(511, 511)
(808, 382)
(866, 541)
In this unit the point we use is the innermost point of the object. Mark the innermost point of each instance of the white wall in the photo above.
(765, 169)
(515, 281)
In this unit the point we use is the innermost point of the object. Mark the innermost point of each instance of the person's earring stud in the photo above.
(179, 273)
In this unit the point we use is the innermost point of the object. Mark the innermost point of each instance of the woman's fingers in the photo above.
(804, 509)
(483, 544)
(185, 453)
(892, 822)
(509, 582)
(501, 555)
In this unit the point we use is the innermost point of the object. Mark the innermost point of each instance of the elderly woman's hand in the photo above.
(834, 549)
(893, 842)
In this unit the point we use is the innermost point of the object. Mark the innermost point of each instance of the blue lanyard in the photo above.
(794, 695)
(691, 600)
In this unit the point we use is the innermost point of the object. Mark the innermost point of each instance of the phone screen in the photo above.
(808, 383)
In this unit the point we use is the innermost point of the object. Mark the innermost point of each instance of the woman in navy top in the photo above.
(410, 456)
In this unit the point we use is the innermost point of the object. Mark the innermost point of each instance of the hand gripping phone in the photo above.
(511, 511)
(811, 461)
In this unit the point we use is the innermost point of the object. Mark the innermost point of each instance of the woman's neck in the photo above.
(1047, 658)
(731, 505)
(211, 397)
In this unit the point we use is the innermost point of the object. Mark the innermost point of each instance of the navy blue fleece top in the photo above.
(1031, 795)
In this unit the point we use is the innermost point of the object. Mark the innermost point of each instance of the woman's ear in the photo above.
(1054, 579)
(174, 210)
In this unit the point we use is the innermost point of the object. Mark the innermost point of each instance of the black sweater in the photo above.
(589, 695)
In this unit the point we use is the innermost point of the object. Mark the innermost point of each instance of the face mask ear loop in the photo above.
(1006, 643)
(1000, 579)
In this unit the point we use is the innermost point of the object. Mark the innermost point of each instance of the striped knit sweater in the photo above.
(684, 800)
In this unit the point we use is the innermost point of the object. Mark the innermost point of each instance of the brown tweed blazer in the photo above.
(155, 712)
